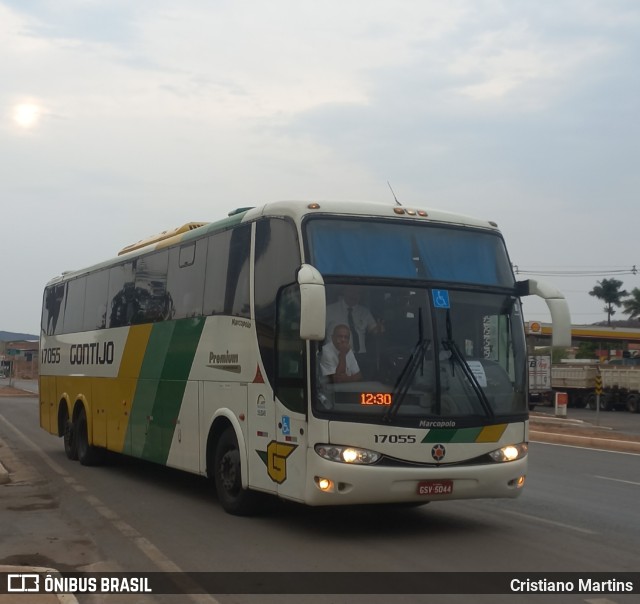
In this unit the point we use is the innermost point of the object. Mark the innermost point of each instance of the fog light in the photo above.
(324, 484)
(518, 483)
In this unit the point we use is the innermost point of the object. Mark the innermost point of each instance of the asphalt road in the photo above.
(579, 512)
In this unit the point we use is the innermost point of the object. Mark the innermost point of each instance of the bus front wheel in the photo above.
(227, 477)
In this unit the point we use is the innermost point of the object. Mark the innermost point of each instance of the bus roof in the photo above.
(297, 210)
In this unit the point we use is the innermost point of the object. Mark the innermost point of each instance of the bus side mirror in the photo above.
(558, 307)
(313, 303)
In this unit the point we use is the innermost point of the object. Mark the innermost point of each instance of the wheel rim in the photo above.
(229, 472)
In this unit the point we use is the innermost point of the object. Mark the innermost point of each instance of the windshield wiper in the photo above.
(405, 379)
(456, 355)
(450, 345)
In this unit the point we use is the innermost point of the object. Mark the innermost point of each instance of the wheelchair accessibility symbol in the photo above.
(440, 298)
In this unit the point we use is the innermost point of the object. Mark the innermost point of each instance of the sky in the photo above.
(122, 119)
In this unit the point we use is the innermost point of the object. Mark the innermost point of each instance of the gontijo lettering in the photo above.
(91, 354)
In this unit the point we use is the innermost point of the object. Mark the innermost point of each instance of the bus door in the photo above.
(260, 433)
(288, 464)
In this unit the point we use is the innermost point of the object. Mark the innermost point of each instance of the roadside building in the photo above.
(20, 357)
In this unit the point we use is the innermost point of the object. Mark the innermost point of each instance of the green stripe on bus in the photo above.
(161, 385)
(439, 435)
(465, 435)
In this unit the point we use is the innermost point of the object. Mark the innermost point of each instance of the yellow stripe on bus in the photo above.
(134, 350)
(491, 434)
(115, 396)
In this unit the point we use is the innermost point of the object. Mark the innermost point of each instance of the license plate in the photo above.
(435, 487)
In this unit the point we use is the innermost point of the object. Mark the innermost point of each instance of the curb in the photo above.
(542, 429)
(34, 598)
(17, 394)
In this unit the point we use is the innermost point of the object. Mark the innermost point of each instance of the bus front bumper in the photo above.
(333, 483)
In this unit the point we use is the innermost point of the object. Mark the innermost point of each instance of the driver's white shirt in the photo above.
(338, 314)
(330, 358)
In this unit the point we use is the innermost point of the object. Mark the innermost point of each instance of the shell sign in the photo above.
(535, 327)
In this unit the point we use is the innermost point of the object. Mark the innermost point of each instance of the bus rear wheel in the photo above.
(632, 403)
(227, 476)
(68, 437)
(88, 455)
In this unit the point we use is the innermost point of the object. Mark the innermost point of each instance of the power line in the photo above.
(576, 272)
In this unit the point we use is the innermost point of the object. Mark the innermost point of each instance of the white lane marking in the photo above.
(551, 522)
(540, 442)
(617, 480)
(125, 529)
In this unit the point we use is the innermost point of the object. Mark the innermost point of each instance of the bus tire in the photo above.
(591, 401)
(632, 403)
(227, 477)
(68, 437)
(88, 455)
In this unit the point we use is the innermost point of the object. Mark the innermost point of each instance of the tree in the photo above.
(587, 350)
(608, 290)
(632, 305)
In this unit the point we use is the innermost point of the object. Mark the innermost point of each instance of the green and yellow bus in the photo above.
(208, 348)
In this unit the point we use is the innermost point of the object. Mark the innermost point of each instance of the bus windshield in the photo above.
(400, 250)
(407, 354)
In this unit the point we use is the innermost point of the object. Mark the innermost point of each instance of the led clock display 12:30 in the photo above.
(375, 398)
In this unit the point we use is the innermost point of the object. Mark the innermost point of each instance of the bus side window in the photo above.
(153, 300)
(185, 281)
(237, 297)
(226, 289)
(122, 301)
(74, 306)
(290, 363)
(53, 304)
(277, 259)
(95, 305)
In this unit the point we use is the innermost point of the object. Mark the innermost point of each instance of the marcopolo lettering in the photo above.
(95, 353)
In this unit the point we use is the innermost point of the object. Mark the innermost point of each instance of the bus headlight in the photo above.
(510, 452)
(344, 454)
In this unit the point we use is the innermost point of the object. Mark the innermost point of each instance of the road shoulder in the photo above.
(559, 430)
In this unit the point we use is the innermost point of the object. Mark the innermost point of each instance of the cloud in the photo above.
(155, 113)
(505, 62)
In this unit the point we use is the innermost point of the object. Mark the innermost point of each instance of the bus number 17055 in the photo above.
(395, 438)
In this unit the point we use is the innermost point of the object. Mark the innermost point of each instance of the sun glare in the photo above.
(26, 115)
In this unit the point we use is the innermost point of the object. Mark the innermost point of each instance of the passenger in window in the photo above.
(338, 363)
(348, 311)
(55, 295)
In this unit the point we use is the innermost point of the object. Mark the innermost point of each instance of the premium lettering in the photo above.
(226, 361)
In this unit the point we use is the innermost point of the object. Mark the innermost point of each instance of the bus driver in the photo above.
(338, 363)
